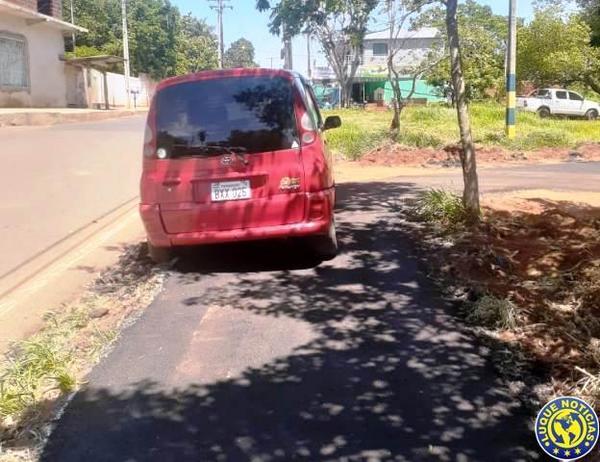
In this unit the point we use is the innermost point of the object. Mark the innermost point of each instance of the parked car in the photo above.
(237, 155)
(550, 101)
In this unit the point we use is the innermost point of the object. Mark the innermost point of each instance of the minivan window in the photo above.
(245, 114)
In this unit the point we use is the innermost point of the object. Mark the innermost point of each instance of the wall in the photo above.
(412, 52)
(31, 4)
(46, 71)
(92, 80)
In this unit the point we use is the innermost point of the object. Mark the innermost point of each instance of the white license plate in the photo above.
(230, 191)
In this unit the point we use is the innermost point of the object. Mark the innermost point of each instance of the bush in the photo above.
(441, 206)
(493, 312)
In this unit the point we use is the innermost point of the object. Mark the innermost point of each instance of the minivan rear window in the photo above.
(241, 114)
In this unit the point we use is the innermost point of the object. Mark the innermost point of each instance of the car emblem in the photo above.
(227, 159)
(289, 183)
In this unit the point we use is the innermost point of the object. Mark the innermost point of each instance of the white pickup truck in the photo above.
(550, 101)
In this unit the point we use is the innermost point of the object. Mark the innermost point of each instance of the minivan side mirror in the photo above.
(332, 122)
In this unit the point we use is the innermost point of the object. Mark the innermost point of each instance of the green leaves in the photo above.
(482, 40)
(162, 42)
(555, 50)
(240, 54)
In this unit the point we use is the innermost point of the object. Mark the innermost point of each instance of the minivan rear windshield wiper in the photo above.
(216, 149)
(199, 147)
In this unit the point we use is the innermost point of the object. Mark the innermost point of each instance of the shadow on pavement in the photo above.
(389, 374)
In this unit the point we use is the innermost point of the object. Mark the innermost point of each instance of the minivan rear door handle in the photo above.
(170, 183)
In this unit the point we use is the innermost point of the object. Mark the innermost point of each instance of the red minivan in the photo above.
(237, 155)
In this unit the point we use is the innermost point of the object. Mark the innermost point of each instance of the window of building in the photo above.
(380, 49)
(14, 72)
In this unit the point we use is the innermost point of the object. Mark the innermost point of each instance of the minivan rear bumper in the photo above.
(317, 220)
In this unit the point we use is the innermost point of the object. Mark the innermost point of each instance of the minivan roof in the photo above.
(227, 73)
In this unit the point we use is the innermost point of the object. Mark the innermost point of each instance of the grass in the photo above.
(435, 126)
(40, 366)
(493, 312)
(437, 205)
(40, 370)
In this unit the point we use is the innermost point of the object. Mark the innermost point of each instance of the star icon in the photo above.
(556, 451)
(577, 451)
(567, 453)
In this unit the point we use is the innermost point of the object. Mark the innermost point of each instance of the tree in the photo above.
(483, 47)
(467, 153)
(400, 12)
(197, 46)
(339, 25)
(102, 20)
(154, 27)
(557, 50)
(161, 42)
(240, 54)
(591, 13)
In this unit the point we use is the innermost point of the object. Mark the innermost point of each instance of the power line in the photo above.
(219, 6)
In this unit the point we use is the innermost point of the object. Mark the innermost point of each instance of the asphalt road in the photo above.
(568, 176)
(57, 179)
(256, 353)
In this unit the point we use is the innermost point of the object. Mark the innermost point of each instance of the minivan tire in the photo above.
(159, 255)
(592, 114)
(544, 112)
(325, 247)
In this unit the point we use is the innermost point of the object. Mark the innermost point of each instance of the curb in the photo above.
(18, 119)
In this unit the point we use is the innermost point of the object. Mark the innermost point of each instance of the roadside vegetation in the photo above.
(434, 126)
(38, 374)
(529, 276)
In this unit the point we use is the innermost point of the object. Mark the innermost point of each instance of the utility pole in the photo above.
(511, 72)
(309, 69)
(73, 22)
(219, 6)
(126, 52)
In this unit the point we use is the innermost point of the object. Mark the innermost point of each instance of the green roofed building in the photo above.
(371, 83)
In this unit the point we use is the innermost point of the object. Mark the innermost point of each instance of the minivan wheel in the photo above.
(159, 255)
(325, 247)
(544, 112)
(592, 114)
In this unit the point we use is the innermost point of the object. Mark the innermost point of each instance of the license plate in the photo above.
(230, 191)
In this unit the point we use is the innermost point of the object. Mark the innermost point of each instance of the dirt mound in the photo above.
(395, 155)
(543, 256)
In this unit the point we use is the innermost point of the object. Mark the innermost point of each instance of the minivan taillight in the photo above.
(149, 143)
(309, 133)
(150, 134)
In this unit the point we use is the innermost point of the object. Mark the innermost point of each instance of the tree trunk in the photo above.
(397, 106)
(345, 93)
(467, 157)
(593, 84)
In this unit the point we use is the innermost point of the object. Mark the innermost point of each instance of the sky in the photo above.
(245, 21)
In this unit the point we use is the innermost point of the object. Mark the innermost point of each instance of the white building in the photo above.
(413, 47)
(32, 73)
